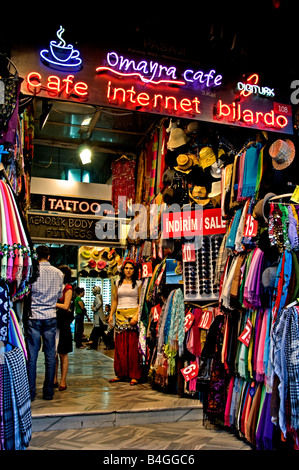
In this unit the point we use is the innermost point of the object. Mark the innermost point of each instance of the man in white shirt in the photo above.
(45, 292)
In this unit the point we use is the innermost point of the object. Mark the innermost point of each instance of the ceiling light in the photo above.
(86, 121)
(85, 155)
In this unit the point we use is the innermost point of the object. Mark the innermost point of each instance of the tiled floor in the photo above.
(93, 414)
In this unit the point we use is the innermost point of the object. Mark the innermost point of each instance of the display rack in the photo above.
(199, 275)
(88, 283)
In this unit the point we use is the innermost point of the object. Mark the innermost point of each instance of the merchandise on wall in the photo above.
(216, 334)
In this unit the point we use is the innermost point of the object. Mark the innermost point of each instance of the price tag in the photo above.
(188, 252)
(147, 270)
(189, 319)
(156, 311)
(190, 372)
(251, 226)
(206, 319)
(246, 334)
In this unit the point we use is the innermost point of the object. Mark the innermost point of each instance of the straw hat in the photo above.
(86, 254)
(177, 138)
(185, 162)
(207, 156)
(282, 153)
(199, 194)
(216, 189)
(92, 264)
(96, 254)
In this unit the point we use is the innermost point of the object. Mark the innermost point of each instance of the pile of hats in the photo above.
(94, 262)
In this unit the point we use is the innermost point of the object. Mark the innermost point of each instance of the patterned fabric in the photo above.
(20, 399)
(46, 291)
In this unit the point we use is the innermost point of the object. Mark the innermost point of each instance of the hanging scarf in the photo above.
(251, 170)
(260, 170)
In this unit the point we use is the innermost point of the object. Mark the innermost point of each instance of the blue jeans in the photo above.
(45, 329)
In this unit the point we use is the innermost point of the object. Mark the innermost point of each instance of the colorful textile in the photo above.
(251, 166)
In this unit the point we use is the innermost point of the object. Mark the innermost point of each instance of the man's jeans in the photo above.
(45, 329)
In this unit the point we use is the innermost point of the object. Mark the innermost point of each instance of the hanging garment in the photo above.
(251, 165)
(123, 182)
(17, 404)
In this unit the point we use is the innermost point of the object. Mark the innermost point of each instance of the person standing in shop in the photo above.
(80, 312)
(42, 322)
(64, 333)
(98, 318)
(125, 305)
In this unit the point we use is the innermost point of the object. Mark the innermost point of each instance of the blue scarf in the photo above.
(251, 166)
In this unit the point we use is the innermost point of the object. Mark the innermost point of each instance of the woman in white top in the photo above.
(125, 305)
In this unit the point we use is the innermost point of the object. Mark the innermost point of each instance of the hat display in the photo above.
(215, 169)
(101, 264)
(168, 196)
(198, 195)
(185, 162)
(177, 138)
(167, 177)
(96, 254)
(86, 254)
(92, 264)
(216, 189)
(207, 156)
(282, 153)
(261, 209)
(258, 211)
(192, 127)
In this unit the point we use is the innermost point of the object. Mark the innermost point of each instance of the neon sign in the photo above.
(157, 101)
(252, 87)
(155, 73)
(56, 85)
(61, 54)
(235, 113)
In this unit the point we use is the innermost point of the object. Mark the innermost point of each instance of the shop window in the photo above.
(78, 175)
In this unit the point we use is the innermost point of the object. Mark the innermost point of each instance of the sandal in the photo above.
(134, 382)
(116, 379)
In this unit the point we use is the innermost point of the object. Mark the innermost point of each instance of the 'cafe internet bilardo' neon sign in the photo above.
(150, 86)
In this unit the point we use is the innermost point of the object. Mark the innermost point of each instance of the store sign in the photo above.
(192, 223)
(73, 205)
(132, 81)
(76, 229)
